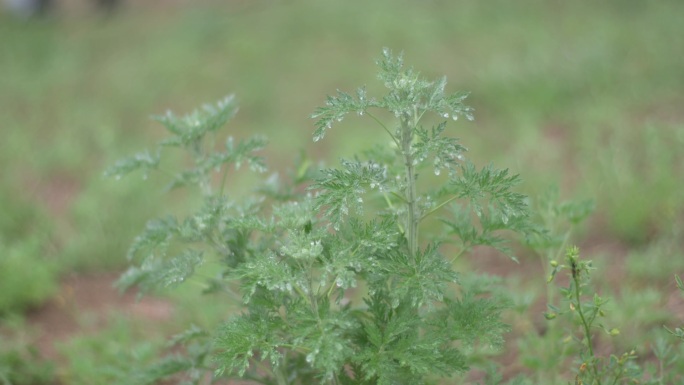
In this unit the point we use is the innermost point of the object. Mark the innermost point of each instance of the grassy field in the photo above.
(586, 96)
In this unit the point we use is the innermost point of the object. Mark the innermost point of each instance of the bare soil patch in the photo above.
(91, 296)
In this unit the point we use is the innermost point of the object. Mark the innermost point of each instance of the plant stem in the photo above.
(439, 206)
(223, 180)
(280, 376)
(585, 325)
(385, 128)
(413, 217)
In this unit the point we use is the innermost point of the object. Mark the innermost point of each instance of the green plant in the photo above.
(592, 368)
(337, 283)
(107, 357)
(678, 332)
(21, 364)
(27, 276)
(544, 351)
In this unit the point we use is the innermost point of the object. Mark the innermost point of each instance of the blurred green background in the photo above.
(586, 95)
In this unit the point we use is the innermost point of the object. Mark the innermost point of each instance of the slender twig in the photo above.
(385, 128)
(439, 206)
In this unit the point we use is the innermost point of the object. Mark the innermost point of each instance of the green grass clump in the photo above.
(28, 273)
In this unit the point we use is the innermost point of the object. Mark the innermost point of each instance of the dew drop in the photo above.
(454, 117)
(445, 115)
(437, 171)
(360, 200)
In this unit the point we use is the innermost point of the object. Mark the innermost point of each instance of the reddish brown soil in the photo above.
(92, 296)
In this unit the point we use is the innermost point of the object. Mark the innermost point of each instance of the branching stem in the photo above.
(585, 325)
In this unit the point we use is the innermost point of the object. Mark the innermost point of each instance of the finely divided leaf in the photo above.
(246, 338)
(421, 280)
(155, 238)
(155, 272)
(398, 354)
(474, 319)
(445, 152)
(341, 190)
(188, 130)
(337, 107)
(145, 161)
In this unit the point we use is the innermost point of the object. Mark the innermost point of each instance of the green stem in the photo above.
(385, 128)
(550, 292)
(413, 217)
(463, 250)
(617, 376)
(223, 180)
(391, 206)
(439, 206)
(280, 376)
(267, 369)
(401, 198)
(585, 325)
(257, 379)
